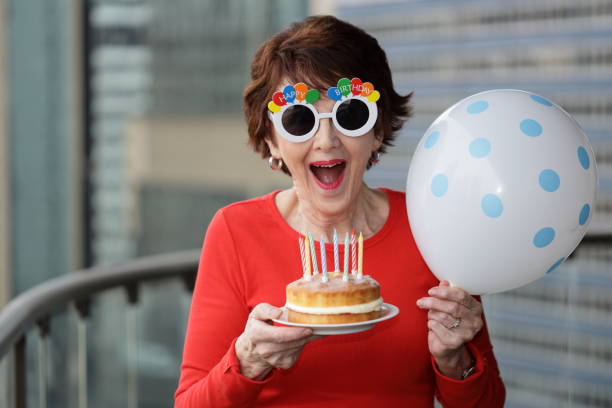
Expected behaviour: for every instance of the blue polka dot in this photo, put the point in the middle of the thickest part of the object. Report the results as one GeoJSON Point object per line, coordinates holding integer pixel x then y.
{"type": "Point", "coordinates": [492, 205]}
{"type": "Point", "coordinates": [541, 100]}
{"type": "Point", "coordinates": [584, 214]}
{"type": "Point", "coordinates": [478, 107]}
{"type": "Point", "coordinates": [583, 156]}
{"type": "Point", "coordinates": [549, 180]}
{"type": "Point", "coordinates": [432, 139]}
{"type": "Point", "coordinates": [439, 185]}
{"type": "Point", "coordinates": [480, 148]}
{"type": "Point", "coordinates": [544, 237]}
{"type": "Point", "coordinates": [554, 266]}
{"type": "Point", "coordinates": [531, 127]}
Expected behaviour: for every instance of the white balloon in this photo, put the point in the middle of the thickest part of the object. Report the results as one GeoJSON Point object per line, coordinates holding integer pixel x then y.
{"type": "Point", "coordinates": [501, 189]}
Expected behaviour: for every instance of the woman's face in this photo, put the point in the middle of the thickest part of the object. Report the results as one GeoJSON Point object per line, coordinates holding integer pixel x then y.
{"type": "Point", "coordinates": [327, 169]}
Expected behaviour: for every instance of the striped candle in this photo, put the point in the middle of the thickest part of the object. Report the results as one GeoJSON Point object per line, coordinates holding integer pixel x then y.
{"type": "Point", "coordinates": [336, 257]}
{"type": "Point", "coordinates": [307, 253]}
{"type": "Point", "coordinates": [313, 253]}
{"type": "Point", "coordinates": [325, 278]}
{"type": "Point", "coordinates": [305, 262]}
{"type": "Point", "coordinates": [345, 276]}
{"type": "Point", "coordinates": [360, 265]}
{"type": "Point", "coordinates": [353, 253]}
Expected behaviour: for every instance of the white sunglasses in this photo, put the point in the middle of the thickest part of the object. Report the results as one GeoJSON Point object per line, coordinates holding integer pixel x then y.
{"type": "Point", "coordinates": [354, 113]}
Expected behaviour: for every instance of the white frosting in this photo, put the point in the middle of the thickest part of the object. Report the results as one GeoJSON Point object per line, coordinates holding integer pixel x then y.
{"type": "Point", "coordinates": [361, 308]}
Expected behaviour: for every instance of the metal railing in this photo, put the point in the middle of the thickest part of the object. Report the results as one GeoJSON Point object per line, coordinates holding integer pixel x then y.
{"type": "Point", "coordinates": [39, 305]}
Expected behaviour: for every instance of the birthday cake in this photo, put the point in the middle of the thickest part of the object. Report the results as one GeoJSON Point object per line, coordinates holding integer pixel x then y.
{"type": "Point", "coordinates": [335, 297]}
{"type": "Point", "coordinates": [333, 302]}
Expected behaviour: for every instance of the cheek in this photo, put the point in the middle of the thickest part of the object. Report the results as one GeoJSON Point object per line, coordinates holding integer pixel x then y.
{"type": "Point", "coordinates": [294, 155]}
{"type": "Point", "coordinates": [361, 149]}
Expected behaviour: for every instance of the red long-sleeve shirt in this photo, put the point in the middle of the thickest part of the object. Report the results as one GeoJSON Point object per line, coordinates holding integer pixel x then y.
{"type": "Point", "coordinates": [249, 255]}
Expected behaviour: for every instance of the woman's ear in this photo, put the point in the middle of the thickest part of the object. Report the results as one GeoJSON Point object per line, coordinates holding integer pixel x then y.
{"type": "Point", "coordinates": [377, 143]}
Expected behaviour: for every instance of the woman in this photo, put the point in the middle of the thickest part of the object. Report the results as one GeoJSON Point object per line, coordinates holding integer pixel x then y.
{"type": "Point", "coordinates": [234, 356]}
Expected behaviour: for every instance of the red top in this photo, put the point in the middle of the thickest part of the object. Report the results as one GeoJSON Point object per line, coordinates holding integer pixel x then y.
{"type": "Point", "coordinates": [249, 256]}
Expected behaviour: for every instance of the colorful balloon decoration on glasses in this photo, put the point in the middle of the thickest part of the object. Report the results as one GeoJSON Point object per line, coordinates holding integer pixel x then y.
{"type": "Point", "coordinates": [301, 92]}
{"type": "Point", "coordinates": [290, 93]}
{"type": "Point", "coordinates": [500, 190]}
{"type": "Point", "coordinates": [355, 87]}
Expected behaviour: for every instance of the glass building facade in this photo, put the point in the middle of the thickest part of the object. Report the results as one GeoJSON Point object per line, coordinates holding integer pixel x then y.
{"type": "Point", "coordinates": [162, 61]}
{"type": "Point", "coordinates": [76, 75]}
{"type": "Point", "coordinates": [41, 82]}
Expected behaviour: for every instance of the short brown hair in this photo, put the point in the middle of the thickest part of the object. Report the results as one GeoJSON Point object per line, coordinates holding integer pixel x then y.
{"type": "Point", "coordinates": [318, 51]}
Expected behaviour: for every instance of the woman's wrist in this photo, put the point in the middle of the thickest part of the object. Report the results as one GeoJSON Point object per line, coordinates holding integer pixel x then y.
{"type": "Point", "coordinates": [455, 365]}
{"type": "Point", "coordinates": [249, 367]}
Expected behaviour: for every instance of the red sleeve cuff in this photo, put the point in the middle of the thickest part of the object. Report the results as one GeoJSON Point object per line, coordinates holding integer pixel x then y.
{"type": "Point", "coordinates": [480, 367]}
{"type": "Point", "coordinates": [469, 389]}
{"type": "Point", "coordinates": [224, 386]}
{"type": "Point", "coordinates": [231, 366]}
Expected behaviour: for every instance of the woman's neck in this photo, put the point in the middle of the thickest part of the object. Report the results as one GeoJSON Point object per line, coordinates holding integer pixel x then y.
{"type": "Point", "coordinates": [367, 214]}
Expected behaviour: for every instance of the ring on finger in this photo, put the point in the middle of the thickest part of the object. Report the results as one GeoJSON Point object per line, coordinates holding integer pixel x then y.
{"type": "Point", "coordinates": [455, 324]}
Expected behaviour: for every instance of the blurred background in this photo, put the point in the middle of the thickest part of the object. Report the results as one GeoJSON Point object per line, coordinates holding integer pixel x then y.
{"type": "Point", "coordinates": [121, 134]}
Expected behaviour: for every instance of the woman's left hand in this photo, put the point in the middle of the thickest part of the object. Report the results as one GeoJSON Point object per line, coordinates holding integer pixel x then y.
{"type": "Point", "coordinates": [454, 319]}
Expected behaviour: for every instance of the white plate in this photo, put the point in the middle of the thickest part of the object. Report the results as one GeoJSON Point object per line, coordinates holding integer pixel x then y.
{"type": "Point", "coordinates": [387, 312]}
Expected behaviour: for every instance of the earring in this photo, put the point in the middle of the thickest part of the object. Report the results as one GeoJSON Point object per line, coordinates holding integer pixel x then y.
{"type": "Point", "coordinates": [275, 164]}
{"type": "Point", "coordinates": [375, 158]}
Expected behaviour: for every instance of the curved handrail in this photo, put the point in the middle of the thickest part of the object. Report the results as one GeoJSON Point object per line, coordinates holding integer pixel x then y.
{"type": "Point", "coordinates": [38, 302]}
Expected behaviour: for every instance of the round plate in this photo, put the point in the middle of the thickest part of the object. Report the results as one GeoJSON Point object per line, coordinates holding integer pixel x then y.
{"type": "Point", "coordinates": [387, 312]}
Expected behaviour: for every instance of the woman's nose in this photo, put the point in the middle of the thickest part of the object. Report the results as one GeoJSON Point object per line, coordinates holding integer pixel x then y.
{"type": "Point", "coordinates": [326, 138]}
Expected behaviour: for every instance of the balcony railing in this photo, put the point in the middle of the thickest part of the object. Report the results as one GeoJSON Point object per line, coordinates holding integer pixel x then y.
{"type": "Point", "coordinates": [39, 305]}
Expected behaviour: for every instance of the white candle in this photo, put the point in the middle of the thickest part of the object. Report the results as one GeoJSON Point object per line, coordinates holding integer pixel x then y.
{"type": "Point", "coordinates": [313, 253]}
{"type": "Point", "coordinates": [336, 257]}
{"type": "Point", "coordinates": [323, 259]}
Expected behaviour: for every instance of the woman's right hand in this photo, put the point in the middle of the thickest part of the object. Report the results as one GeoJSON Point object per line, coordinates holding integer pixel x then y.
{"type": "Point", "coordinates": [262, 346]}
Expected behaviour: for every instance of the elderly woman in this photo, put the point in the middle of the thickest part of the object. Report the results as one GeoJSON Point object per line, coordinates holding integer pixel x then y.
{"type": "Point", "coordinates": [234, 356]}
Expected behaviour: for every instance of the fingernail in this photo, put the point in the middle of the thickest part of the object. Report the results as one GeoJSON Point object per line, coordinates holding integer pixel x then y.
{"type": "Point", "coordinates": [419, 303]}
{"type": "Point", "coordinates": [433, 291]}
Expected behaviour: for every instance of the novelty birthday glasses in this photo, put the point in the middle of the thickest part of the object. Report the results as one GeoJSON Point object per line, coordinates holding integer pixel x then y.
{"type": "Point", "coordinates": [296, 119]}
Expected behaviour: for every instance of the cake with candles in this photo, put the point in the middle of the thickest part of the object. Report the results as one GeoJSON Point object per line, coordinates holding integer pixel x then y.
{"type": "Point", "coordinates": [333, 297]}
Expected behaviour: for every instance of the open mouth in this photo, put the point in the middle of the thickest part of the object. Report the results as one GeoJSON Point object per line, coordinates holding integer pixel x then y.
{"type": "Point", "coordinates": [328, 174]}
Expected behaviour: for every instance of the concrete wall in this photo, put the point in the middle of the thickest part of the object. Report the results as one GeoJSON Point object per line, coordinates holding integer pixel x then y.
{"type": "Point", "coordinates": [322, 7]}
{"type": "Point", "coordinates": [207, 152]}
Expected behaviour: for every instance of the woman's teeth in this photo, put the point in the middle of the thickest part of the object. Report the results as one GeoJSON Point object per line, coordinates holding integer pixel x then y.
{"type": "Point", "coordinates": [328, 175]}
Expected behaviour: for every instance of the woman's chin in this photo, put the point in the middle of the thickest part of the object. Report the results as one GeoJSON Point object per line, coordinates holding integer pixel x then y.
{"type": "Point", "coordinates": [330, 200]}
